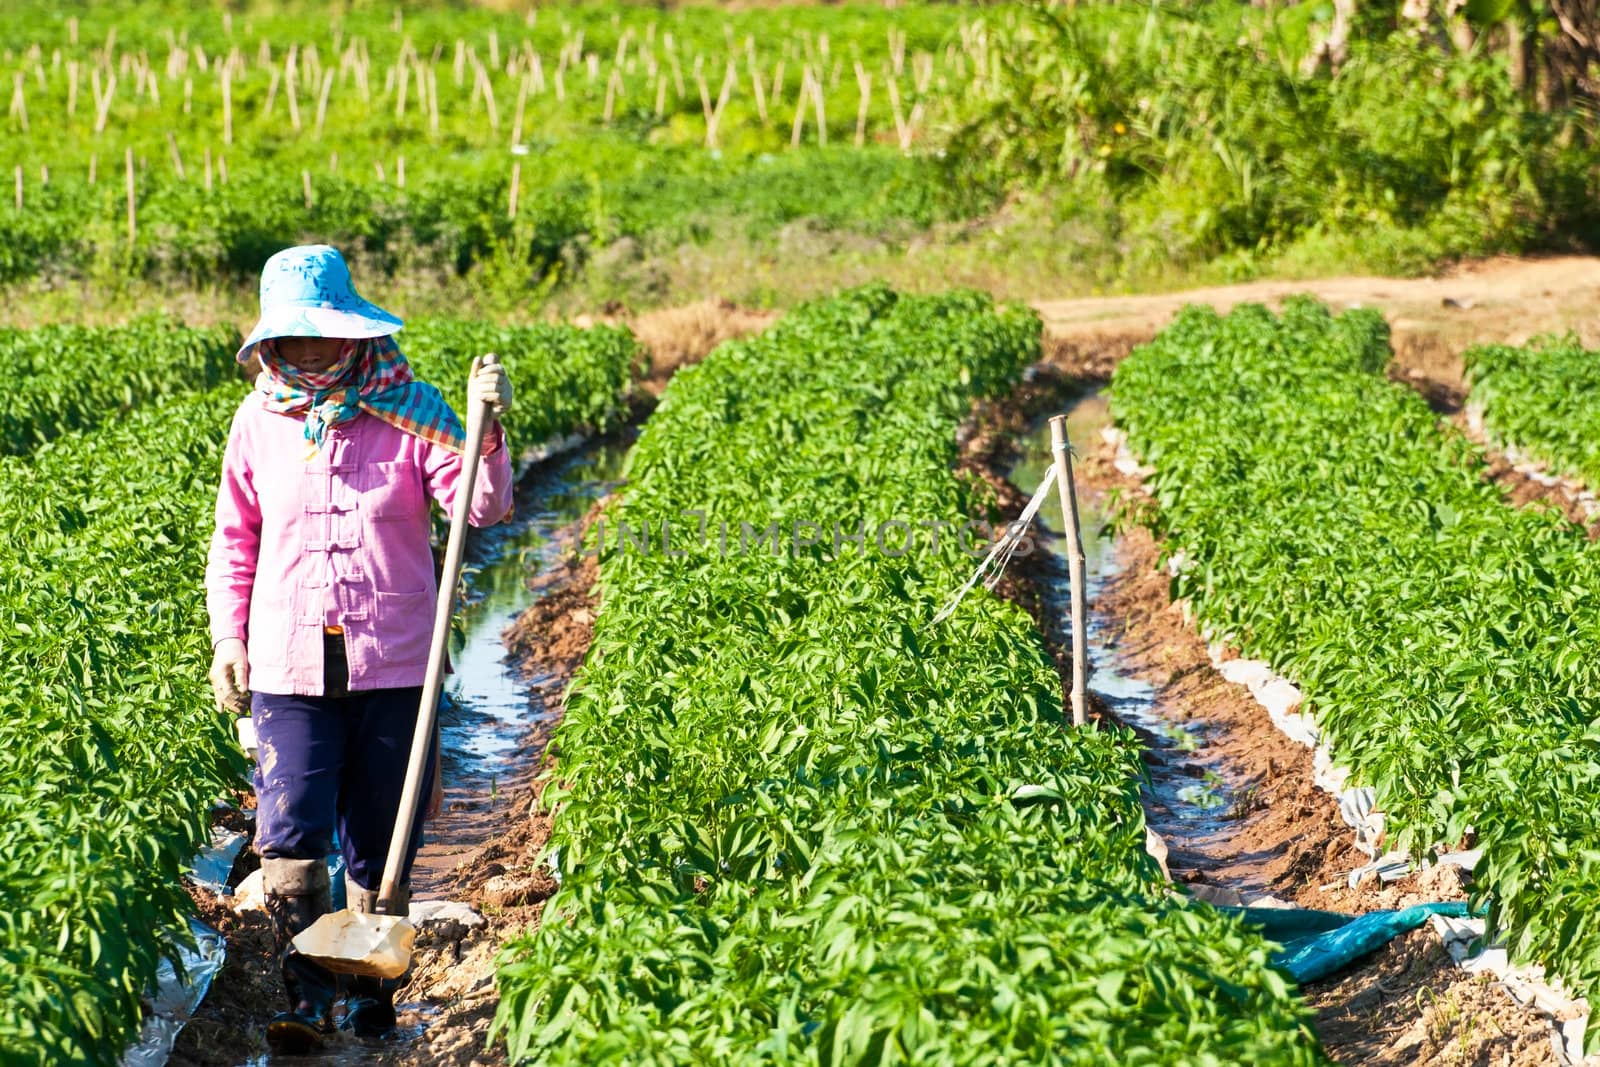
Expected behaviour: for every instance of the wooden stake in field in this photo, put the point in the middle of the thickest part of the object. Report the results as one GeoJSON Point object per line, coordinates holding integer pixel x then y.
{"type": "Point", "coordinates": [613, 89]}
{"type": "Point", "coordinates": [133, 217]}
{"type": "Point", "coordinates": [800, 110]}
{"type": "Point", "coordinates": [522, 104]}
{"type": "Point", "coordinates": [103, 102]}
{"type": "Point", "coordinates": [822, 121]}
{"type": "Point", "coordinates": [19, 101]}
{"type": "Point", "coordinates": [432, 81]}
{"type": "Point", "coordinates": [227, 102]}
{"type": "Point", "coordinates": [177, 159]}
{"type": "Point", "coordinates": [305, 185]}
{"type": "Point", "coordinates": [322, 100]}
{"type": "Point", "coordinates": [291, 87]}
{"type": "Point", "coordinates": [400, 172]}
{"type": "Point", "coordinates": [1060, 450]}
{"type": "Point", "coordinates": [208, 168]}
{"type": "Point", "coordinates": [516, 187]}
{"type": "Point", "coordinates": [864, 84]}
{"type": "Point", "coordinates": [755, 81]}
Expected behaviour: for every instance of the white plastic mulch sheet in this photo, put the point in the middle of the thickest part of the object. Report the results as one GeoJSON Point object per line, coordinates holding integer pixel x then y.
{"type": "Point", "coordinates": [175, 999]}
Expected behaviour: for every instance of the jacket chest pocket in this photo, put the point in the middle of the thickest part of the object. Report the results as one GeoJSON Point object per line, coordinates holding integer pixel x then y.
{"type": "Point", "coordinates": [390, 492]}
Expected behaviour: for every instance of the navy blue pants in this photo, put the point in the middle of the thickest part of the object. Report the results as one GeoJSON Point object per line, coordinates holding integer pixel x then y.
{"type": "Point", "coordinates": [331, 763]}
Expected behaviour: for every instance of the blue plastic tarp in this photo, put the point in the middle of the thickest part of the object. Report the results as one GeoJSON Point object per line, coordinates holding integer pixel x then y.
{"type": "Point", "coordinates": [1318, 943]}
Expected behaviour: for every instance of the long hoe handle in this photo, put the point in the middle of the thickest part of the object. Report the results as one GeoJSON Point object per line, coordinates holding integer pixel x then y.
{"type": "Point", "coordinates": [411, 796]}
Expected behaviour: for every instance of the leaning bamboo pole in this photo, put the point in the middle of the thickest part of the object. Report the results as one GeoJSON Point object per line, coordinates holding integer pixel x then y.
{"type": "Point", "coordinates": [1060, 450]}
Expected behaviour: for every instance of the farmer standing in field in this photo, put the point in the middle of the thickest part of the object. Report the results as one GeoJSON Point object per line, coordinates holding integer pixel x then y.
{"type": "Point", "coordinates": [321, 591]}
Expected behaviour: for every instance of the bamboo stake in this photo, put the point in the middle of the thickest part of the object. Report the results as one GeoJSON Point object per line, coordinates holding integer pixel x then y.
{"type": "Point", "coordinates": [777, 85]}
{"type": "Point", "coordinates": [864, 84]}
{"type": "Point", "coordinates": [188, 95]}
{"type": "Point", "coordinates": [177, 160]}
{"type": "Point", "coordinates": [613, 87]}
{"type": "Point", "coordinates": [488, 98]}
{"type": "Point", "coordinates": [291, 83]}
{"type": "Point", "coordinates": [522, 104]}
{"type": "Point", "coordinates": [72, 88]}
{"type": "Point", "coordinates": [222, 169]}
{"type": "Point", "coordinates": [705, 107]}
{"type": "Point", "coordinates": [756, 86]}
{"type": "Point", "coordinates": [433, 99]}
{"type": "Point", "coordinates": [227, 103]}
{"type": "Point", "coordinates": [661, 93]}
{"type": "Point", "coordinates": [333, 162]}
{"type": "Point", "coordinates": [400, 171]}
{"type": "Point", "coordinates": [900, 128]}
{"type": "Point", "coordinates": [44, 174]}
{"type": "Point", "coordinates": [1068, 493]}
{"type": "Point", "coordinates": [800, 109]}
{"type": "Point", "coordinates": [94, 158]}
{"type": "Point", "coordinates": [133, 216]}
{"type": "Point", "coordinates": [822, 123]}
{"type": "Point", "coordinates": [377, 165]}
{"type": "Point", "coordinates": [103, 108]}
{"type": "Point", "coordinates": [677, 72]}
{"type": "Point", "coordinates": [208, 168]}
{"type": "Point", "coordinates": [272, 93]}
{"type": "Point", "coordinates": [322, 100]}
{"type": "Point", "coordinates": [19, 101]}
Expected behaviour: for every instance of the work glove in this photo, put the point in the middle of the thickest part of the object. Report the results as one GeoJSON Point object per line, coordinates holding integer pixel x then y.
{"type": "Point", "coordinates": [230, 675]}
{"type": "Point", "coordinates": [489, 384]}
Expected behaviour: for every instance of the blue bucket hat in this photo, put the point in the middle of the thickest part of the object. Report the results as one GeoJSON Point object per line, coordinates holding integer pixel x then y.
{"type": "Point", "coordinates": [306, 292]}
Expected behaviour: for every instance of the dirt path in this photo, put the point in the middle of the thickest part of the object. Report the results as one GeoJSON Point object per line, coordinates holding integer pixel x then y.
{"type": "Point", "coordinates": [1504, 300]}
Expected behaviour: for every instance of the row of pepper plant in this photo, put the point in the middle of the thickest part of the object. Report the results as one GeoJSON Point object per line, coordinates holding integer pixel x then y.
{"type": "Point", "coordinates": [794, 821]}
{"type": "Point", "coordinates": [111, 755]}
{"type": "Point", "coordinates": [61, 378]}
{"type": "Point", "coordinates": [1444, 640]}
{"type": "Point", "coordinates": [1540, 398]}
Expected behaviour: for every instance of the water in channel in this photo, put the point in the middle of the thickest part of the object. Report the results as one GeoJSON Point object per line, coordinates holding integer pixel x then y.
{"type": "Point", "coordinates": [490, 705]}
{"type": "Point", "coordinates": [1187, 799]}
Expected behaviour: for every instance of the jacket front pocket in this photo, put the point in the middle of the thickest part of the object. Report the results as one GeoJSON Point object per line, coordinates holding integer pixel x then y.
{"type": "Point", "coordinates": [404, 627]}
{"type": "Point", "coordinates": [391, 491]}
{"type": "Point", "coordinates": [271, 629]}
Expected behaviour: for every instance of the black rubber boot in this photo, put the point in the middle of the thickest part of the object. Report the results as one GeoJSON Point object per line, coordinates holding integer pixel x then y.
{"type": "Point", "coordinates": [369, 1007]}
{"type": "Point", "coordinates": [297, 894]}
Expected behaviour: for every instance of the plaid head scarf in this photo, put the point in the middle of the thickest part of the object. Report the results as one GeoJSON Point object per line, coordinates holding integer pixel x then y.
{"type": "Point", "coordinates": [370, 375]}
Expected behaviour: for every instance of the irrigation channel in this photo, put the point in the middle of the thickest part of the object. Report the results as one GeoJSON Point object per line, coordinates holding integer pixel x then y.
{"type": "Point", "coordinates": [492, 707]}
{"type": "Point", "coordinates": [495, 718]}
{"type": "Point", "coordinates": [1189, 799]}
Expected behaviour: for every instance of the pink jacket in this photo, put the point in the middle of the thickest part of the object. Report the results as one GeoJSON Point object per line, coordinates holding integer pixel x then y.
{"type": "Point", "coordinates": [341, 540]}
